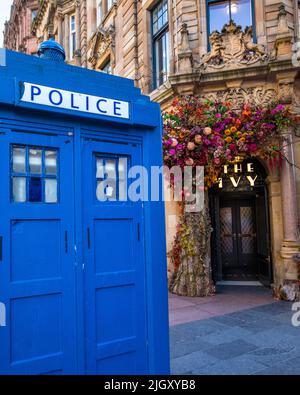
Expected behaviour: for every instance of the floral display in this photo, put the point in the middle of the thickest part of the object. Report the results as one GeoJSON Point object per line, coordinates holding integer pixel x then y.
{"type": "Point", "coordinates": [209, 134]}
{"type": "Point", "coordinates": [212, 135]}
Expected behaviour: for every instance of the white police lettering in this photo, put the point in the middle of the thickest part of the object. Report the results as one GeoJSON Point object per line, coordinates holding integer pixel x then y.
{"type": "Point", "coordinates": [46, 96]}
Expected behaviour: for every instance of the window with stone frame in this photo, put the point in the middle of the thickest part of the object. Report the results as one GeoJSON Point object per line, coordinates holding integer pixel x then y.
{"type": "Point", "coordinates": [160, 43]}
{"type": "Point", "coordinates": [33, 14]}
{"type": "Point", "coordinates": [103, 7]}
{"type": "Point", "coordinates": [99, 11]}
{"type": "Point", "coordinates": [109, 4]}
{"type": "Point", "coordinates": [72, 37]}
{"type": "Point", "coordinates": [220, 12]}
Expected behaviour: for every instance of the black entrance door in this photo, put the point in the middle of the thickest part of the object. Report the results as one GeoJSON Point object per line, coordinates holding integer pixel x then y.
{"type": "Point", "coordinates": [238, 239]}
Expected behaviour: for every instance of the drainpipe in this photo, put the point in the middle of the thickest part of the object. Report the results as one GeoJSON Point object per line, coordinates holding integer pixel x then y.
{"type": "Point", "coordinates": [136, 49]}
{"type": "Point", "coordinates": [296, 20]}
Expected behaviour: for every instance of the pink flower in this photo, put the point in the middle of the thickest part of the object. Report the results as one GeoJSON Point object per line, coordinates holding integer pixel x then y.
{"type": "Point", "coordinates": [253, 147]}
{"type": "Point", "coordinates": [191, 146]}
{"type": "Point", "coordinates": [217, 161]}
{"type": "Point", "coordinates": [207, 131]}
{"type": "Point", "coordinates": [189, 162]}
{"type": "Point", "coordinates": [198, 139]}
{"type": "Point", "coordinates": [172, 152]}
{"type": "Point", "coordinates": [174, 142]}
{"type": "Point", "coordinates": [218, 115]}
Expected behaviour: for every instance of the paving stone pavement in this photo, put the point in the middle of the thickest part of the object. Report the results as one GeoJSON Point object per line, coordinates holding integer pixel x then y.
{"type": "Point", "coordinates": [255, 341]}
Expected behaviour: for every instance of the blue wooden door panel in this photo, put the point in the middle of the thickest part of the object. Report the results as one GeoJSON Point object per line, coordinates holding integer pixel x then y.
{"type": "Point", "coordinates": [37, 271]}
{"type": "Point", "coordinates": [116, 336]}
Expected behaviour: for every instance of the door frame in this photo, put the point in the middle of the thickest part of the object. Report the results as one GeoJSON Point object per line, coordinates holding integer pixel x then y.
{"type": "Point", "coordinates": [237, 201]}
{"type": "Point", "coordinates": [215, 197]}
{"type": "Point", "coordinates": [40, 136]}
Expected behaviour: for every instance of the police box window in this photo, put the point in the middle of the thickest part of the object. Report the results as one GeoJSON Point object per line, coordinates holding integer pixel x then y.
{"type": "Point", "coordinates": [160, 42]}
{"type": "Point", "coordinates": [222, 12]}
{"type": "Point", "coordinates": [34, 174]}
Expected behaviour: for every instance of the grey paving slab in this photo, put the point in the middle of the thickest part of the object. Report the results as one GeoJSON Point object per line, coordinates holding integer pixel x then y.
{"type": "Point", "coordinates": [231, 349]}
{"type": "Point", "coordinates": [261, 325]}
{"type": "Point", "coordinates": [259, 340]}
{"type": "Point", "coordinates": [227, 336]}
{"type": "Point", "coordinates": [189, 346]}
{"type": "Point", "coordinates": [275, 308]}
{"type": "Point", "coordinates": [240, 365]}
{"type": "Point", "coordinates": [289, 367]}
{"type": "Point", "coordinates": [195, 329]}
{"type": "Point", "coordinates": [191, 363]}
{"type": "Point", "coordinates": [271, 337]}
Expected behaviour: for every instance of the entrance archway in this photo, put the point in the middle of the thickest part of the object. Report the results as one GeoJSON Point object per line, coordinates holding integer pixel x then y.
{"type": "Point", "coordinates": [239, 208]}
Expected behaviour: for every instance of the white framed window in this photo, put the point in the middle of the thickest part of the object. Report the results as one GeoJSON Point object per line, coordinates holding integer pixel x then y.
{"type": "Point", "coordinates": [160, 43]}
{"type": "Point", "coordinates": [99, 12]}
{"type": "Point", "coordinates": [109, 4]}
{"type": "Point", "coordinates": [72, 39]}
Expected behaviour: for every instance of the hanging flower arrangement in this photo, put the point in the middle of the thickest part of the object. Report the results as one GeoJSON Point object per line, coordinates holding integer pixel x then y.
{"type": "Point", "coordinates": [211, 134]}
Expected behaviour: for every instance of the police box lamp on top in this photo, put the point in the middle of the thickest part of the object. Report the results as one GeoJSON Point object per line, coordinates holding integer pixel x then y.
{"type": "Point", "coordinates": [52, 50]}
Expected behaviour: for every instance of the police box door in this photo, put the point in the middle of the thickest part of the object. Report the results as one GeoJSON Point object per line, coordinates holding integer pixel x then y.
{"type": "Point", "coordinates": [36, 258]}
{"type": "Point", "coordinates": [114, 268]}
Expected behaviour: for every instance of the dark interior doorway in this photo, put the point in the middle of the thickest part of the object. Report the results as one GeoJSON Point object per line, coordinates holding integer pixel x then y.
{"type": "Point", "coordinates": [238, 239]}
{"type": "Point", "coordinates": [241, 249]}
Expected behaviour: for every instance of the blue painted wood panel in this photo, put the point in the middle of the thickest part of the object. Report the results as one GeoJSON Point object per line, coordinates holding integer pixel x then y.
{"type": "Point", "coordinates": [114, 271]}
{"type": "Point", "coordinates": [37, 271]}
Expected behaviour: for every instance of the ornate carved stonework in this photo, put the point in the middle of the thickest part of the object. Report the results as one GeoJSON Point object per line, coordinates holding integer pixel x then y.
{"type": "Point", "coordinates": [102, 42]}
{"type": "Point", "coordinates": [185, 55]}
{"type": "Point", "coordinates": [233, 48]}
{"type": "Point", "coordinates": [239, 96]}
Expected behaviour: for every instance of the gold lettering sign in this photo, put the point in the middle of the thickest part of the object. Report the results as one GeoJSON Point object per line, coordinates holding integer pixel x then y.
{"type": "Point", "coordinates": [236, 173]}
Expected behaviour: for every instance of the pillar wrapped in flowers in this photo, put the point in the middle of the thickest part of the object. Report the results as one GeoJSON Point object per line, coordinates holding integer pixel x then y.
{"type": "Point", "coordinates": [212, 135]}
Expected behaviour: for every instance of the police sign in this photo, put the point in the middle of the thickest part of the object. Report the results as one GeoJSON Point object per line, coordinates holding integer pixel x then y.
{"type": "Point", "coordinates": [59, 98]}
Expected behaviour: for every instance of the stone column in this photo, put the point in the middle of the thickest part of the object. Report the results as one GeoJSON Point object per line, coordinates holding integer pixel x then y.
{"type": "Point", "coordinates": [66, 35]}
{"type": "Point", "coordinates": [60, 29]}
{"type": "Point", "coordinates": [290, 245]}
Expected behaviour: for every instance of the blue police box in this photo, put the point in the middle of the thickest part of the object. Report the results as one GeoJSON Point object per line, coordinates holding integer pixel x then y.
{"type": "Point", "coordinates": [82, 267]}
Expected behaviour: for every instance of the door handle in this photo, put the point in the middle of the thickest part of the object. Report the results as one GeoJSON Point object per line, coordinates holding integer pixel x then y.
{"type": "Point", "coordinates": [89, 238]}
{"type": "Point", "coordinates": [66, 242]}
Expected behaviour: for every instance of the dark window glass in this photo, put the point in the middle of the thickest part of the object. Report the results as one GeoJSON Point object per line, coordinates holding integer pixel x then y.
{"type": "Point", "coordinates": [160, 43]}
{"type": "Point", "coordinates": [106, 68]}
{"type": "Point", "coordinates": [35, 189]}
{"type": "Point", "coordinates": [34, 174]}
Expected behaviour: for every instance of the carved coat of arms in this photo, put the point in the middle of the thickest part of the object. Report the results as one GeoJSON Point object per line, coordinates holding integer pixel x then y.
{"type": "Point", "coordinates": [232, 48]}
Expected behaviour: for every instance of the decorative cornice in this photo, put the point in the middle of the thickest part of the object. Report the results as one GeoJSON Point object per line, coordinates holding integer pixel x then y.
{"type": "Point", "coordinates": [101, 42]}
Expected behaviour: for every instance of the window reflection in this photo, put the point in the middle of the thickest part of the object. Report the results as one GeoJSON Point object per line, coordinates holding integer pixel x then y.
{"type": "Point", "coordinates": [221, 12]}
{"type": "Point", "coordinates": [111, 178]}
{"type": "Point", "coordinates": [34, 172]}
{"type": "Point", "coordinates": [35, 161]}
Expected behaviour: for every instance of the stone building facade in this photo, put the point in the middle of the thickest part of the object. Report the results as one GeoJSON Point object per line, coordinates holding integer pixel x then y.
{"type": "Point", "coordinates": [17, 31]}
{"type": "Point", "coordinates": [172, 47]}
